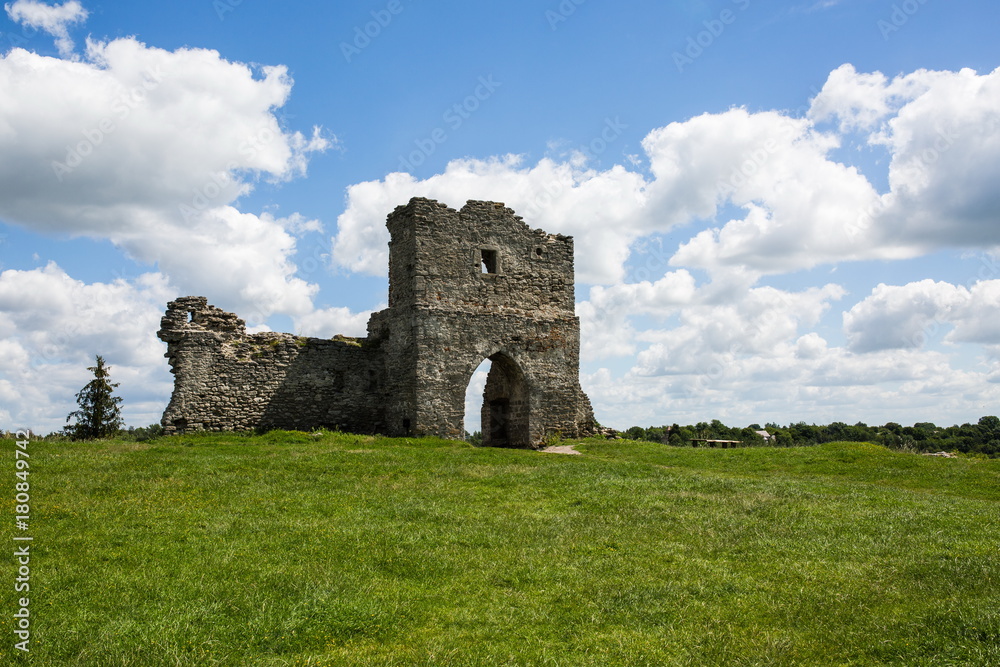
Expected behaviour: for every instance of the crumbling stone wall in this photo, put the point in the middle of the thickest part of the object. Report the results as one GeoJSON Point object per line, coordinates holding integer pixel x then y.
{"type": "Point", "coordinates": [464, 286]}
{"type": "Point", "coordinates": [227, 380]}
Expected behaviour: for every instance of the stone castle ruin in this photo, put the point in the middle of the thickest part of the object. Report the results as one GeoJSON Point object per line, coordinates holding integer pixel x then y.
{"type": "Point", "coordinates": [464, 286]}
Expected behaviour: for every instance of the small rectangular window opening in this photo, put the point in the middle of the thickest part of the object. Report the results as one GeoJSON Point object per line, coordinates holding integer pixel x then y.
{"type": "Point", "coordinates": [489, 261]}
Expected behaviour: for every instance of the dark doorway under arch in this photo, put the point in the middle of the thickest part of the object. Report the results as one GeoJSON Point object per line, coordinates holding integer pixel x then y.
{"type": "Point", "coordinates": [505, 412]}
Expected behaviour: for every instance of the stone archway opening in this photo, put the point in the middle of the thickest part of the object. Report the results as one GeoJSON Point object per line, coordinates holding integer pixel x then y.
{"type": "Point", "coordinates": [505, 410]}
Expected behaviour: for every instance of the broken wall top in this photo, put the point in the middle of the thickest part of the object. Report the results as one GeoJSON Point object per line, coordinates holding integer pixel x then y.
{"type": "Point", "coordinates": [482, 258]}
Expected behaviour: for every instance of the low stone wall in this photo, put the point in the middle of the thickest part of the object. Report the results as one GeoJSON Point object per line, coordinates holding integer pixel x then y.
{"type": "Point", "coordinates": [227, 380]}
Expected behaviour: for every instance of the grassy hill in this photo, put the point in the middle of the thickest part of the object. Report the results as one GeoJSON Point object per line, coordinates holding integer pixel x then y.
{"type": "Point", "coordinates": [289, 549]}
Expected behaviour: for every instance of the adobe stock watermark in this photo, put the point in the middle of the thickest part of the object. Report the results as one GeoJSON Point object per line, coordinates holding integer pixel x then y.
{"type": "Point", "coordinates": [15, 40]}
{"type": "Point", "coordinates": [655, 260]}
{"type": "Point", "coordinates": [453, 117]}
{"type": "Point", "coordinates": [710, 377]}
{"type": "Point", "coordinates": [370, 31]}
{"type": "Point", "coordinates": [561, 13]}
{"type": "Point", "coordinates": [901, 14]}
{"type": "Point", "coordinates": [312, 259]}
{"type": "Point", "coordinates": [989, 269]}
{"type": "Point", "coordinates": [753, 161]}
{"type": "Point", "coordinates": [203, 196]}
{"type": "Point", "coordinates": [121, 108]}
{"type": "Point", "coordinates": [702, 41]}
{"type": "Point", "coordinates": [56, 346]}
{"type": "Point", "coordinates": [22, 540]}
{"type": "Point", "coordinates": [914, 171]}
{"type": "Point", "coordinates": [610, 132]}
{"type": "Point", "coordinates": [223, 7]}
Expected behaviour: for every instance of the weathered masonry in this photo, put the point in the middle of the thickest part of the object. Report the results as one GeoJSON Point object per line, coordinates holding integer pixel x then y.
{"type": "Point", "coordinates": [464, 286]}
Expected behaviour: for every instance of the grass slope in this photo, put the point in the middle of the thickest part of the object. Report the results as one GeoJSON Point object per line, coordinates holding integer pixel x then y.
{"type": "Point", "coordinates": [286, 549]}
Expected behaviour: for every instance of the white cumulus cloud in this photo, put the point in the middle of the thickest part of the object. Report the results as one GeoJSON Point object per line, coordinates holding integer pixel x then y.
{"type": "Point", "coordinates": [760, 322]}
{"type": "Point", "coordinates": [601, 209]}
{"type": "Point", "coordinates": [53, 19]}
{"type": "Point", "coordinates": [150, 149]}
{"type": "Point", "coordinates": [909, 316]}
{"type": "Point", "coordinates": [328, 322]}
{"type": "Point", "coordinates": [54, 325]}
{"type": "Point", "coordinates": [796, 205]}
{"type": "Point", "coordinates": [901, 317]}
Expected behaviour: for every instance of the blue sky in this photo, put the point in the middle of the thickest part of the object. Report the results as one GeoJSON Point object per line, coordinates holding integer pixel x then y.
{"type": "Point", "coordinates": [783, 211]}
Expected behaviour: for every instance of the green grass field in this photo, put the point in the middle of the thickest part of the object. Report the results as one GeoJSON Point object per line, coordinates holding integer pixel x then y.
{"type": "Point", "coordinates": [288, 549]}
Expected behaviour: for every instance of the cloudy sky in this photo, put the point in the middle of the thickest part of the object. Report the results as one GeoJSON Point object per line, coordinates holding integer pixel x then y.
{"type": "Point", "coordinates": [783, 210]}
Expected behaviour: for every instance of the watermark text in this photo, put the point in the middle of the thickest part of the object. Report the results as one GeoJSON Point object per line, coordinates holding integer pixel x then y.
{"type": "Point", "coordinates": [22, 541]}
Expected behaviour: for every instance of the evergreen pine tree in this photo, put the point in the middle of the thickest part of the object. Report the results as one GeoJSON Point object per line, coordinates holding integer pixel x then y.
{"type": "Point", "coordinates": [99, 415]}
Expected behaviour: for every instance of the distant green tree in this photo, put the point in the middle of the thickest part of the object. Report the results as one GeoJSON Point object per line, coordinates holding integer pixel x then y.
{"type": "Point", "coordinates": [143, 433]}
{"type": "Point", "coordinates": [861, 432]}
{"type": "Point", "coordinates": [782, 438]}
{"type": "Point", "coordinates": [99, 415]}
{"type": "Point", "coordinates": [721, 431]}
{"type": "Point", "coordinates": [893, 428]}
{"type": "Point", "coordinates": [990, 425]}
{"type": "Point", "coordinates": [980, 438]}
{"type": "Point", "coordinates": [835, 432]}
{"type": "Point", "coordinates": [751, 438]}
{"type": "Point", "coordinates": [803, 434]}
{"type": "Point", "coordinates": [656, 434]}
{"type": "Point", "coordinates": [891, 435]}
{"type": "Point", "coordinates": [636, 433]}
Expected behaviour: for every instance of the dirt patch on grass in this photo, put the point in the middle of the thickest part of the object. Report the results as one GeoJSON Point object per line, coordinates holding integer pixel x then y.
{"type": "Point", "coordinates": [561, 449]}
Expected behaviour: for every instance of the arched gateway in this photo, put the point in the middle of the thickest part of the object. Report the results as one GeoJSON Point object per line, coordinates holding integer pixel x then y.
{"type": "Point", "coordinates": [464, 286]}
{"type": "Point", "coordinates": [506, 410]}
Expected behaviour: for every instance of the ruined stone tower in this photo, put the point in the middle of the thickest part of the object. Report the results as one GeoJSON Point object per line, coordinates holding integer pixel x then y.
{"type": "Point", "coordinates": [464, 286]}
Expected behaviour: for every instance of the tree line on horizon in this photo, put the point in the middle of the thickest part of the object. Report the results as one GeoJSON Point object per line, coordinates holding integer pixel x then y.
{"type": "Point", "coordinates": [980, 438]}
{"type": "Point", "coordinates": [99, 416]}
